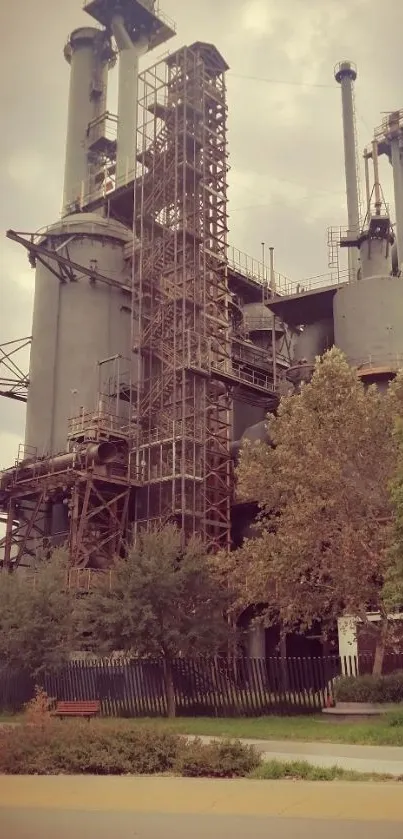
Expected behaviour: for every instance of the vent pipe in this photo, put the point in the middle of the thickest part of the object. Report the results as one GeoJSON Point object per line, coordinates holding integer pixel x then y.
{"type": "Point", "coordinates": [130, 52]}
{"type": "Point", "coordinates": [346, 74]}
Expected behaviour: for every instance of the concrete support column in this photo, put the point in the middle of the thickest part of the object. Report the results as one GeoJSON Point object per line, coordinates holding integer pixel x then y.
{"type": "Point", "coordinates": [129, 55]}
{"type": "Point", "coordinates": [257, 641]}
{"type": "Point", "coordinates": [347, 632]}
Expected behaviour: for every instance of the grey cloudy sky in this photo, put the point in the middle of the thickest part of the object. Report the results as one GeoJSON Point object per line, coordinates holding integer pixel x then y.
{"type": "Point", "coordinates": [286, 178]}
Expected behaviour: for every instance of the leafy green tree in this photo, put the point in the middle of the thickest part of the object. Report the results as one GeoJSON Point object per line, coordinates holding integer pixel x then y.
{"type": "Point", "coordinates": [163, 600]}
{"type": "Point", "coordinates": [323, 489]}
{"type": "Point", "coordinates": [393, 588]}
{"type": "Point", "coordinates": [37, 618]}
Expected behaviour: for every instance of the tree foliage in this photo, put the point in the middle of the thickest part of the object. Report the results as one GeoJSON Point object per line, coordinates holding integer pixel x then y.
{"type": "Point", "coordinates": [393, 587]}
{"type": "Point", "coordinates": [163, 600]}
{"type": "Point", "coordinates": [37, 618]}
{"type": "Point", "coordinates": [323, 490]}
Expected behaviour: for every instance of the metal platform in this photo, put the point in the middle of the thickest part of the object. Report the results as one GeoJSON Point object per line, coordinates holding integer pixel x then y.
{"type": "Point", "coordinates": [306, 307]}
{"type": "Point", "coordinates": [140, 17]}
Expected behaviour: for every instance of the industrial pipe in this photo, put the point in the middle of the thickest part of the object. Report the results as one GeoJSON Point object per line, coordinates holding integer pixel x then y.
{"type": "Point", "coordinates": [273, 331]}
{"type": "Point", "coordinates": [129, 55]}
{"type": "Point", "coordinates": [377, 186]}
{"type": "Point", "coordinates": [92, 455]}
{"type": "Point", "coordinates": [367, 186]}
{"type": "Point", "coordinates": [346, 74]}
{"type": "Point", "coordinates": [394, 136]}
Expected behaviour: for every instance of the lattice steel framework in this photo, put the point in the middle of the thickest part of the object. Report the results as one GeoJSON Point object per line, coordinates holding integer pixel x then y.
{"type": "Point", "coordinates": [80, 500]}
{"type": "Point", "coordinates": [180, 296]}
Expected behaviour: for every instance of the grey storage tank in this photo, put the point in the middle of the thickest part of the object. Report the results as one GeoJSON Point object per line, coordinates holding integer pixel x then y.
{"type": "Point", "coordinates": [314, 340]}
{"type": "Point", "coordinates": [76, 324]}
{"type": "Point", "coordinates": [368, 323]}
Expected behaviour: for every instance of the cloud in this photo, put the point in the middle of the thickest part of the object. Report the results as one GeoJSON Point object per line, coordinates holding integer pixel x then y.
{"type": "Point", "coordinates": [257, 18]}
{"type": "Point", "coordinates": [26, 168]}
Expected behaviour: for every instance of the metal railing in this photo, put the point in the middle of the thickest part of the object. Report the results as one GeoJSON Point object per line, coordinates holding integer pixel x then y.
{"type": "Point", "coordinates": [259, 273]}
{"type": "Point", "coordinates": [236, 371]}
{"type": "Point", "coordinates": [388, 361]}
{"type": "Point", "coordinates": [95, 423]}
{"type": "Point", "coordinates": [391, 124]}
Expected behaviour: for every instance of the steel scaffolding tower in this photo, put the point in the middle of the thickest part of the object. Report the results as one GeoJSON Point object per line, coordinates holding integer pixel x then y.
{"type": "Point", "coordinates": [181, 298]}
{"type": "Point", "coordinates": [155, 445]}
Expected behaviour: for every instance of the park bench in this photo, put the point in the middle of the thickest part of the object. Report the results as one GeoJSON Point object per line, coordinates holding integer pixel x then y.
{"type": "Point", "coordinates": [78, 709]}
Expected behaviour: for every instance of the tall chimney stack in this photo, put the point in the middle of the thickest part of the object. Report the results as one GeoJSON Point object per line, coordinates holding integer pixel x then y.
{"type": "Point", "coordinates": [89, 53]}
{"type": "Point", "coordinates": [346, 74]}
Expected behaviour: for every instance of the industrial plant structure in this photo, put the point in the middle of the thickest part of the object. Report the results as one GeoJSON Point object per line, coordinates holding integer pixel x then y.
{"type": "Point", "coordinates": [156, 349]}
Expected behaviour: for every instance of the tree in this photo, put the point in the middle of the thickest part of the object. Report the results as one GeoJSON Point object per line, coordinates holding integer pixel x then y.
{"type": "Point", "coordinates": [163, 600]}
{"type": "Point", "coordinates": [393, 587]}
{"type": "Point", "coordinates": [323, 490]}
{"type": "Point", "coordinates": [37, 618]}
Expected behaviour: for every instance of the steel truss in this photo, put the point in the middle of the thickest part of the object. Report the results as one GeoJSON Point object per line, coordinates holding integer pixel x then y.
{"type": "Point", "coordinates": [83, 506]}
{"type": "Point", "coordinates": [181, 298]}
{"type": "Point", "coordinates": [13, 381]}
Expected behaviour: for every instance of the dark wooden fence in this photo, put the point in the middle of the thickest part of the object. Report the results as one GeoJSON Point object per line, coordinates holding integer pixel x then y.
{"type": "Point", "coordinates": [203, 687]}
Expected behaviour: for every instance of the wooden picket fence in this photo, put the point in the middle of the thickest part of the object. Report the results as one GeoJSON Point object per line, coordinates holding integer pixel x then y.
{"type": "Point", "coordinates": [203, 687]}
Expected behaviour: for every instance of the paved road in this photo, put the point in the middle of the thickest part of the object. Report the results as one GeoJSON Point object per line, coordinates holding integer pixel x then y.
{"type": "Point", "coordinates": [70, 824]}
{"type": "Point", "coordinates": [386, 760]}
{"type": "Point", "coordinates": [87, 807]}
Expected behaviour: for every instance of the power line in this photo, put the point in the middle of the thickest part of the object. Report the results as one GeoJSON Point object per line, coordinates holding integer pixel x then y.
{"type": "Point", "coordinates": [282, 81]}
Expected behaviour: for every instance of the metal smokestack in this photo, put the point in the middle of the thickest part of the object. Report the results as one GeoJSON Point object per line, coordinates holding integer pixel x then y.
{"type": "Point", "coordinates": [393, 133]}
{"type": "Point", "coordinates": [130, 52]}
{"type": "Point", "coordinates": [89, 53]}
{"type": "Point", "coordinates": [346, 74]}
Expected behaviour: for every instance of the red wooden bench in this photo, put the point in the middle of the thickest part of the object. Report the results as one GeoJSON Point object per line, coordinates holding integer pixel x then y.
{"type": "Point", "coordinates": [78, 709]}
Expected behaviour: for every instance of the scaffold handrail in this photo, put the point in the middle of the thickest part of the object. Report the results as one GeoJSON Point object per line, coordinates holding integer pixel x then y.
{"type": "Point", "coordinates": [391, 123]}
{"type": "Point", "coordinates": [99, 419]}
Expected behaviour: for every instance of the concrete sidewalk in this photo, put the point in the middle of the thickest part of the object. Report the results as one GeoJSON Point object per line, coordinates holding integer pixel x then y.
{"type": "Point", "coordinates": [373, 802]}
{"type": "Point", "coordinates": [381, 759]}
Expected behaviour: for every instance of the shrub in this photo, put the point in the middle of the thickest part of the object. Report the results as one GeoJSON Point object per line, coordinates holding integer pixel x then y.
{"type": "Point", "coordinates": [395, 719]}
{"type": "Point", "coordinates": [300, 770]}
{"type": "Point", "coordinates": [39, 710]}
{"type": "Point", "coordinates": [377, 689]}
{"type": "Point", "coordinates": [80, 748]}
{"type": "Point", "coordinates": [219, 759]}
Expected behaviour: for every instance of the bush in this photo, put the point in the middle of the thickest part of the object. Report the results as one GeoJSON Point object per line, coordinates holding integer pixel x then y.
{"type": "Point", "coordinates": [395, 719]}
{"type": "Point", "coordinates": [300, 770]}
{"type": "Point", "coordinates": [39, 710]}
{"type": "Point", "coordinates": [97, 749]}
{"type": "Point", "coordinates": [377, 689]}
{"type": "Point", "coordinates": [219, 759]}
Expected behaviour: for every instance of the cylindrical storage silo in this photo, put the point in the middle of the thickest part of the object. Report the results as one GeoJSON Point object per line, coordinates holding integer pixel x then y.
{"type": "Point", "coordinates": [89, 54]}
{"type": "Point", "coordinates": [314, 340]}
{"type": "Point", "coordinates": [368, 322]}
{"type": "Point", "coordinates": [76, 324]}
{"type": "Point", "coordinates": [375, 256]}
{"type": "Point", "coordinates": [258, 322]}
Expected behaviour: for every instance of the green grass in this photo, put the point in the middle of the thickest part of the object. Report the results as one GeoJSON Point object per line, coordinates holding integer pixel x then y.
{"type": "Point", "coordinates": [376, 732]}
{"type": "Point", "coordinates": [4, 717]}
{"type": "Point", "coordinates": [299, 770]}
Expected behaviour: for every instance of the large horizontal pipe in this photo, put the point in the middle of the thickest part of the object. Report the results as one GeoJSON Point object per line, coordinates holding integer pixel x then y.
{"type": "Point", "coordinates": [91, 455]}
